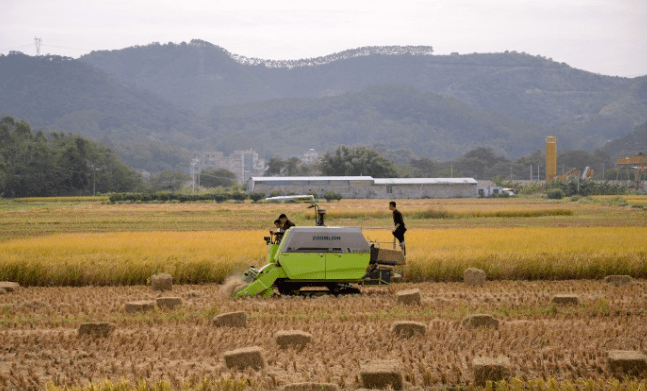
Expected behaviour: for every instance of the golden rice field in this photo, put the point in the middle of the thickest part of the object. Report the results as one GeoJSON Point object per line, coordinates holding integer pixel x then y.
{"type": "Point", "coordinates": [124, 258]}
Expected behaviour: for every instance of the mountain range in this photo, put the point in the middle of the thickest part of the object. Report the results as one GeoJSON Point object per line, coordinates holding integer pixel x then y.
{"type": "Point", "coordinates": [160, 103]}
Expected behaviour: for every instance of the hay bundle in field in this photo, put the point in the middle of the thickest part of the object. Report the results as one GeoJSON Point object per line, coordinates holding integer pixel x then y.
{"type": "Point", "coordinates": [381, 374]}
{"type": "Point", "coordinates": [566, 299]}
{"type": "Point", "coordinates": [168, 302]}
{"type": "Point", "coordinates": [410, 296]}
{"type": "Point", "coordinates": [245, 357]}
{"type": "Point", "coordinates": [35, 305]}
{"type": "Point", "coordinates": [627, 363]}
{"type": "Point", "coordinates": [407, 328]}
{"type": "Point", "coordinates": [230, 319]}
{"type": "Point", "coordinates": [139, 306]}
{"type": "Point", "coordinates": [98, 329]}
{"type": "Point", "coordinates": [618, 280]}
{"type": "Point", "coordinates": [2, 291]}
{"type": "Point", "coordinates": [294, 338]}
{"type": "Point", "coordinates": [311, 387]}
{"type": "Point", "coordinates": [474, 277]}
{"type": "Point", "coordinates": [490, 369]}
{"type": "Point", "coordinates": [9, 286]}
{"type": "Point", "coordinates": [162, 282]}
{"type": "Point", "coordinates": [480, 320]}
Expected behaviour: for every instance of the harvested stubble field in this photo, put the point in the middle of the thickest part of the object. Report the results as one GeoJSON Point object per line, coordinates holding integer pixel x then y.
{"type": "Point", "coordinates": [39, 341]}
{"type": "Point", "coordinates": [115, 249]}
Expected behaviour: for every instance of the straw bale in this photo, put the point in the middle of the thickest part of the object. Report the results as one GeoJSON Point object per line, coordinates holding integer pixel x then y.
{"type": "Point", "coordinates": [408, 329]}
{"type": "Point", "coordinates": [168, 302]}
{"type": "Point", "coordinates": [231, 319]}
{"type": "Point", "coordinates": [566, 299]}
{"type": "Point", "coordinates": [410, 296]}
{"type": "Point", "coordinates": [490, 369]}
{"type": "Point", "coordinates": [311, 387]}
{"type": "Point", "coordinates": [9, 286]}
{"type": "Point", "coordinates": [98, 329]}
{"type": "Point", "coordinates": [618, 280]}
{"type": "Point", "coordinates": [162, 282]}
{"type": "Point", "coordinates": [627, 362]}
{"type": "Point", "coordinates": [2, 291]}
{"type": "Point", "coordinates": [245, 357]}
{"type": "Point", "coordinates": [296, 338]}
{"type": "Point", "coordinates": [474, 277]}
{"type": "Point", "coordinates": [480, 320]}
{"type": "Point", "coordinates": [139, 306]}
{"type": "Point", "coordinates": [35, 305]}
{"type": "Point", "coordinates": [381, 374]}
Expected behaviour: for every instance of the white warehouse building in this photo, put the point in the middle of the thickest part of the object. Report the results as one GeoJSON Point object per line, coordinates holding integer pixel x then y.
{"type": "Point", "coordinates": [366, 186]}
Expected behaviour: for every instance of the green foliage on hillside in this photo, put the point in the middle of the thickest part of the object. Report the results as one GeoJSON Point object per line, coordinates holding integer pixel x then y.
{"type": "Point", "coordinates": [33, 164]}
{"type": "Point", "coordinates": [629, 145]}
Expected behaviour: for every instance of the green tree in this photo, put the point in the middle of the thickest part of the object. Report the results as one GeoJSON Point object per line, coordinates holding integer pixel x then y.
{"type": "Point", "coordinates": [275, 166]}
{"type": "Point", "coordinates": [168, 180]}
{"type": "Point", "coordinates": [292, 166]}
{"type": "Point", "coordinates": [357, 161]}
{"type": "Point", "coordinates": [212, 177]}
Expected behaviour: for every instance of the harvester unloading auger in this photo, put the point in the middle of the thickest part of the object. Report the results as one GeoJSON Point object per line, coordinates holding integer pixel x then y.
{"type": "Point", "coordinates": [337, 258]}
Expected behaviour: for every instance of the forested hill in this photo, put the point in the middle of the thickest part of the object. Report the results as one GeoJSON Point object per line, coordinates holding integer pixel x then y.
{"type": "Point", "coordinates": [157, 104]}
{"type": "Point", "coordinates": [630, 144]}
{"type": "Point", "coordinates": [426, 123]}
{"type": "Point", "coordinates": [60, 92]}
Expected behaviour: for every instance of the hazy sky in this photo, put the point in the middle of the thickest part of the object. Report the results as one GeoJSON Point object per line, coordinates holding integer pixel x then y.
{"type": "Point", "coordinates": [602, 36]}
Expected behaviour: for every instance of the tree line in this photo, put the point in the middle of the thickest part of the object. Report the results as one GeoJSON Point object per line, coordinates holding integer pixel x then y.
{"type": "Point", "coordinates": [33, 164]}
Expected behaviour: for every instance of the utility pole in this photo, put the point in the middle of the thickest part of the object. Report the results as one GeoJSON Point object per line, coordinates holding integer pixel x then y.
{"type": "Point", "coordinates": [37, 42]}
{"type": "Point", "coordinates": [193, 163]}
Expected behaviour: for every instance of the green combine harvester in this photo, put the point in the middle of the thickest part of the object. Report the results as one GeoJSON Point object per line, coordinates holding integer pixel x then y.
{"type": "Point", "coordinates": [338, 259]}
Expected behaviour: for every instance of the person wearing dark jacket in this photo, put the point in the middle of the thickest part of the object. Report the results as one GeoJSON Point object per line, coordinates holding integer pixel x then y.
{"type": "Point", "coordinates": [400, 228]}
{"type": "Point", "coordinates": [285, 223]}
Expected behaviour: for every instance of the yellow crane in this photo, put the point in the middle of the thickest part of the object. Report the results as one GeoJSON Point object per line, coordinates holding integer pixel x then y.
{"type": "Point", "coordinates": [637, 162]}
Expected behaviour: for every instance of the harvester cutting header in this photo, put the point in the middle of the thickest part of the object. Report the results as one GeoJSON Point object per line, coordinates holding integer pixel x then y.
{"type": "Point", "coordinates": [338, 259]}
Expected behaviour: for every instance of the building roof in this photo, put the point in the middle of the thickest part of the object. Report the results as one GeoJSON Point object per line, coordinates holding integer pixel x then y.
{"type": "Point", "coordinates": [375, 181]}
{"type": "Point", "coordinates": [310, 178]}
{"type": "Point", "coordinates": [424, 181]}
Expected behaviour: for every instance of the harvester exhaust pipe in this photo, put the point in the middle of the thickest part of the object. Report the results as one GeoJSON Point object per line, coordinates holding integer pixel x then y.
{"type": "Point", "coordinates": [321, 215]}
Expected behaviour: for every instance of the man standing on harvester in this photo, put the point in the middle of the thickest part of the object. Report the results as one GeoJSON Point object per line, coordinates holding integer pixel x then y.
{"type": "Point", "coordinates": [400, 228]}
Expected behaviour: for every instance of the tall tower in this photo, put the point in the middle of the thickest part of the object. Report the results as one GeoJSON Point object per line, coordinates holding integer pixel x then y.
{"type": "Point", "coordinates": [551, 157]}
{"type": "Point", "coordinates": [37, 42]}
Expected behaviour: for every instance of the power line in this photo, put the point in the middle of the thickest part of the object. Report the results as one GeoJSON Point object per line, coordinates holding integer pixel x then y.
{"type": "Point", "coordinates": [16, 47]}
{"type": "Point", "coordinates": [67, 47]}
{"type": "Point", "coordinates": [39, 44]}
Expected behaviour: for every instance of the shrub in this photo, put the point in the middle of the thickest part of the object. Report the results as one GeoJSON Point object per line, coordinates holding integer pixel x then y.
{"type": "Point", "coordinates": [238, 196]}
{"type": "Point", "coordinates": [555, 194]}
{"type": "Point", "coordinates": [220, 197]}
{"type": "Point", "coordinates": [255, 197]}
{"type": "Point", "coordinates": [331, 196]}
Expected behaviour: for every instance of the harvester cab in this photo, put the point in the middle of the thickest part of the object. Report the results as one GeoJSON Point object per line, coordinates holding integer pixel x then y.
{"type": "Point", "coordinates": [338, 259]}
